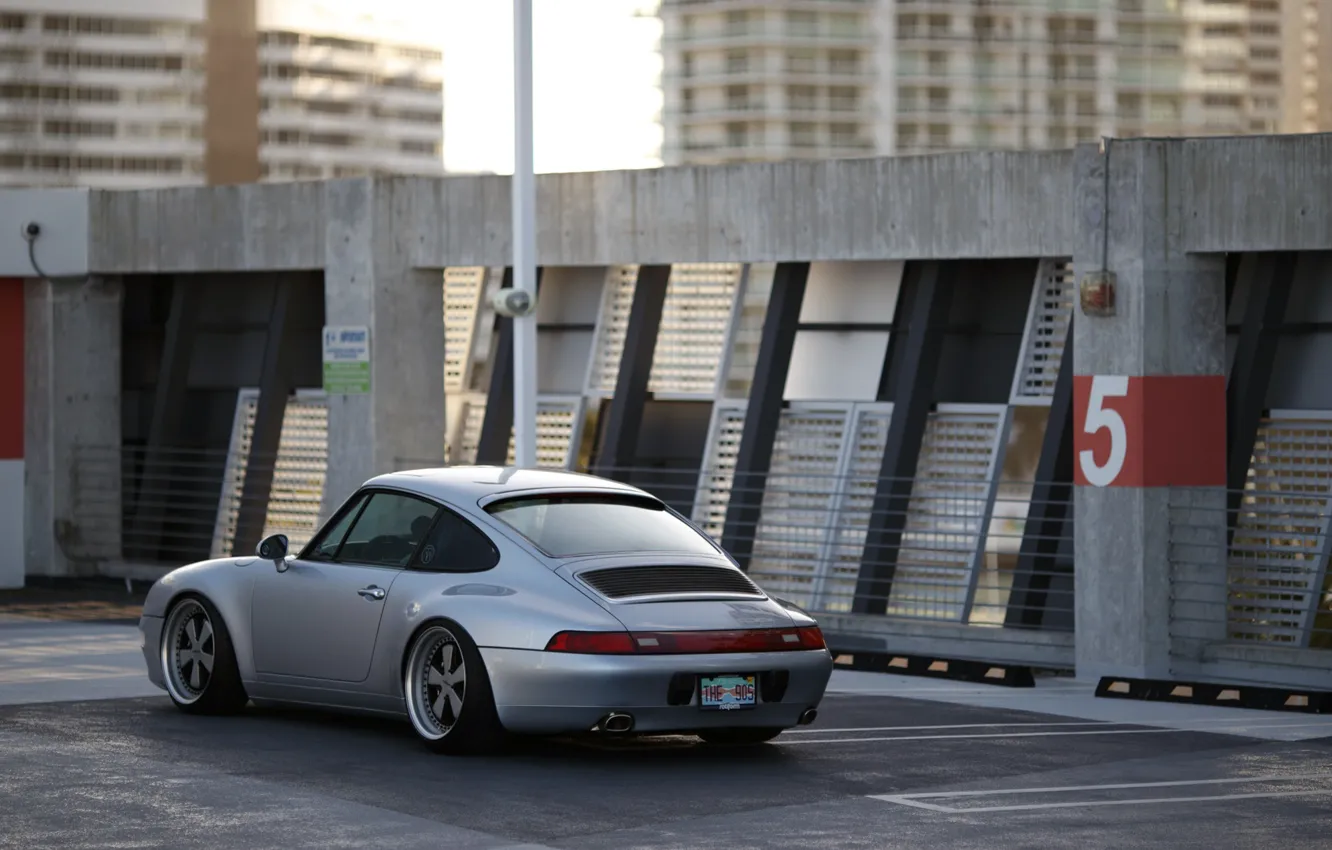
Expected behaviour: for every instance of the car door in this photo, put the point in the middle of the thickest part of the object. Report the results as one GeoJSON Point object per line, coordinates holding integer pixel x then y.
{"type": "Point", "coordinates": [320, 618]}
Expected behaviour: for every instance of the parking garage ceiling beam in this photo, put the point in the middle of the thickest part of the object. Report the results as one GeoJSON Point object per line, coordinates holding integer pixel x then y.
{"type": "Point", "coordinates": [270, 410]}
{"type": "Point", "coordinates": [619, 444]}
{"type": "Point", "coordinates": [152, 495]}
{"type": "Point", "coordinates": [925, 301]}
{"type": "Point", "coordinates": [1268, 279]}
{"type": "Point", "coordinates": [764, 410]}
{"type": "Point", "coordinates": [1050, 512]}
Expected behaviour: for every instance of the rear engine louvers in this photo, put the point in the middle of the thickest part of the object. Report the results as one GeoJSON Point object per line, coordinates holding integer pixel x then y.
{"type": "Point", "coordinates": [627, 582]}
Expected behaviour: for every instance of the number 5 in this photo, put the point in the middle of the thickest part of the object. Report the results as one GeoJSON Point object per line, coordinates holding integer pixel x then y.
{"type": "Point", "coordinates": [1098, 417]}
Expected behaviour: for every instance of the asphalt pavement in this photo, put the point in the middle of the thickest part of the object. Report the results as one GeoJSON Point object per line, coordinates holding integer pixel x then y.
{"type": "Point", "coordinates": [91, 755]}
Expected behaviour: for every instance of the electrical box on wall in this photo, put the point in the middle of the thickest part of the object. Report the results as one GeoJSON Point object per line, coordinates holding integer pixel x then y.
{"type": "Point", "coordinates": [1097, 293]}
{"type": "Point", "coordinates": [50, 226]}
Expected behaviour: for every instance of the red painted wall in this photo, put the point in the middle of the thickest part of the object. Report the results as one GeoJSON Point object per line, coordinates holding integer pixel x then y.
{"type": "Point", "coordinates": [1150, 431]}
{"type": "Point", "coordinates": [11, 369]}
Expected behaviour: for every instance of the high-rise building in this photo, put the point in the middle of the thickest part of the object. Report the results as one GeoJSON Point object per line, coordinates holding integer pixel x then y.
{"type": "Point", "coordinates": [771, 80]}
{"type": "Point", "coordinates": [794, 78]}
{"type": "Point", "coordinates": [1306, 65]}
{"type": "Point", "coordinates": [142, 93]}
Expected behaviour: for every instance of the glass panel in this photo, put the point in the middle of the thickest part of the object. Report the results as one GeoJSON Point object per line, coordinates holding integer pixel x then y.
{"type": "Point", "coordinates": [455, 545]}
{"type": "Point", "coordinates": [328, 545]}
{"type": "Point", "coordinates": [388, 531]}
{"type": "Point", "coordinates": [567, 525]}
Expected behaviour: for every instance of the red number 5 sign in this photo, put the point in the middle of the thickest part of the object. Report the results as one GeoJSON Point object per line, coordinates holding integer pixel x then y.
{"type": "Point", "coordinates": [1149, 431]}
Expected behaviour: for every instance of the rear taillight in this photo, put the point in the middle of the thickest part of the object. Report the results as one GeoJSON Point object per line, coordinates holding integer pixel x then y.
{"type": "Point", "coordinates": [687, 643]}
{"type": "Point", "coordinates": [811, 637]}
{"type": "Point", "coordinates": [592, 643]}
{"type": "Point", "coordinates": [697, 643]}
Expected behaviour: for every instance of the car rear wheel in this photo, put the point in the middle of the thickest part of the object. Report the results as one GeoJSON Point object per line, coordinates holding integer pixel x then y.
{"type": "Point", "coordinates": [449, 700]}
{"type": "Point", "coordinates": [739, 737]}
{"type": "Point", "coordinates": [198, 662]}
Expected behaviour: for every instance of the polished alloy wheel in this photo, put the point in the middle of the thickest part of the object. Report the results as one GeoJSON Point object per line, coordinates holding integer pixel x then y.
{"type": "Point", "coordinates": [436, 683]}
{"type": "Point", "coordinates": [188, 651]}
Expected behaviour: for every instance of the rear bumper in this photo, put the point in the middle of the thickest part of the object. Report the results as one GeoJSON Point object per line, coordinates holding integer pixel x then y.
{"type": "Point", "coordinates": [552, 693]}
{"type": "Point", "coordinates": [151, 629]}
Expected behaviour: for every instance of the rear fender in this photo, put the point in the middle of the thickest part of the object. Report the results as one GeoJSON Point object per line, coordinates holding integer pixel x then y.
{"type": "Point", "coordinates": [518, 606]}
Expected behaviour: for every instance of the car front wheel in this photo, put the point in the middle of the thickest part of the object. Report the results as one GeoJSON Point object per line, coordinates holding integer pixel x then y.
{"type": "Point", "coordinates": [198, 662]}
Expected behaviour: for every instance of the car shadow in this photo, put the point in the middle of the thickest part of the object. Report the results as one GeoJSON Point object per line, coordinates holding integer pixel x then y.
{"type": "Point", "coordinates": [587, 747]}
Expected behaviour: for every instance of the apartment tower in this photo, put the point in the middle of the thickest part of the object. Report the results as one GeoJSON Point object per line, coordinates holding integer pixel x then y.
{"type": "Point", "coordinates": [143, 93]}
{"type": "Point", "coordinates": [750, 80]}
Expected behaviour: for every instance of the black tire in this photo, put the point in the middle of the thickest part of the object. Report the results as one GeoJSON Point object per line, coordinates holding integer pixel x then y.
{"type": "Point", "coordinates": [475, 728]}
{"type": "Point", "coordinates": [219, 690]}
{"type": "Point", "coordinates": [746, 737]}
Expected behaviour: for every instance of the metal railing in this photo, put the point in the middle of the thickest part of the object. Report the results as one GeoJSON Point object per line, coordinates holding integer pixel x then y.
{"type": "Point", "coordinates": [171, 506]}
{"type": "Point", "coordinates": [938, 564]}
{"type": "Point", "coordinates": [959, 567]}
{"type": "Point", "coordinates": [1251, 595]}
{"type": "Point", "coordinates": [955, 556]}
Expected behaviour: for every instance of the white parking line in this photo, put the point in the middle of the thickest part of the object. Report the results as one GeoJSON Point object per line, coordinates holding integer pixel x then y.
{"type": "Point", "coordinates": [1070, 699]}
{"type": "Point", "coordinates": [916, 801]}
{"type": "Point", "coordinates": [812, 731]}
{"type": "Point", "coordinates": [1295, 720]}
{"type": "Point", "coordinates": [1026, 734]}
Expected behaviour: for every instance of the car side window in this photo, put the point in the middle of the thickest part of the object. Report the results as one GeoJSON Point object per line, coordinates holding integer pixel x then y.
{"type": "Point", "coordinates": [388, 530]}
{"type": "Point", "coordinates": [326, 548]}
{"type": "Point", "coordinates": [454, 545]}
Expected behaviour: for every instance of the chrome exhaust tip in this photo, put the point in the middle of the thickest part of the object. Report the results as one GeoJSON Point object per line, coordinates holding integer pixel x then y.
{"type": "Point", "coordinates": [617, 722]}
{"type": "Point", "coordinates": [809, 716]}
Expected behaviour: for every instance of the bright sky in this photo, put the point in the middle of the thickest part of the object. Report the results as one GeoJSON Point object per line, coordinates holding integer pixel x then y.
{"type": "Point", "coordinates": [597, 95]}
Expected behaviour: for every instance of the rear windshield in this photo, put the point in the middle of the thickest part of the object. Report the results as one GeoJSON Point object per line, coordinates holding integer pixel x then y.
{"type": "Point", "coordinates": [565, 525]}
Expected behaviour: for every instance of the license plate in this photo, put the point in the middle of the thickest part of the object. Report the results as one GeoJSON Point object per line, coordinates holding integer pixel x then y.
{"type": "Point", "coordinates": [727, 693]}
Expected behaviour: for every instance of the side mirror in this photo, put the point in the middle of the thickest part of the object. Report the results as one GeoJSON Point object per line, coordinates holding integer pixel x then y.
{"type": "Point", "coordinates": [274, 549]}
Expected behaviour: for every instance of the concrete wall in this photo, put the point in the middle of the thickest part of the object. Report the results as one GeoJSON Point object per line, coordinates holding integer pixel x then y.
{"type": "Point", "coordinates": [255, 227]}
{"type": "Point", "coordinates": [1256, 193]}
{"type": "Point", "coordinates": [369, 282]}
{"type": "Point", "coordinates": [955, 205]}
{"type": "Point", "coordinates": [61, 248]}
{"type": "Point", "coordinates": [952, 205]}
{"type": "Point", "coordinates": [1159, 217]}
{"type": "Point", "coordinates": [72, 423]}
{"type": "Point", "coordinates": [1248, 193]}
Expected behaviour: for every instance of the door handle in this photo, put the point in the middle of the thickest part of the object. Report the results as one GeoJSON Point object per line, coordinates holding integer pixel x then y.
{"type": "Point", "coordinates": [372, 592]}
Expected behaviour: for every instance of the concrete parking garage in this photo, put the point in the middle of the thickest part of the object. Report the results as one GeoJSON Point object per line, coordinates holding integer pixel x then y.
{"type": "Point", "coordinates": [944, 266]}
{"type": "Point", "coordinates": [91, 755]}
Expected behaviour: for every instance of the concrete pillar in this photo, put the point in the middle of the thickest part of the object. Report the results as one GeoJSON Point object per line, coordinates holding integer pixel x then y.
{"type": "Point", "coordinates": [369, 282]}
{"type": "Point", "coordinates": [72, 424]}
{"type": "Point", "coordinates": [1158, 367]}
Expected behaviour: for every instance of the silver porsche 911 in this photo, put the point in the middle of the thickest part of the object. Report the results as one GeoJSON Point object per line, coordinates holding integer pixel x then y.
{"type": "Point", "coordinates": [483, 600]}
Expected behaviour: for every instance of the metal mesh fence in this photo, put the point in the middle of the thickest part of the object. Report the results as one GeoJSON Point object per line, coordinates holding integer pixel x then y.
{"type": "Point", "coordinates": [175, 506]}
{"type": "Point", "coordinates": [956, 552]}
{"type": "Point", "coordinates": [948, 549]}
{"type": "Point", "coordinates": [1250, 567]}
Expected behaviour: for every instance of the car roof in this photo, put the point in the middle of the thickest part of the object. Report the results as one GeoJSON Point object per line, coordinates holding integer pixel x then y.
{"type": "Point", "coordinates": [472, 483]}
